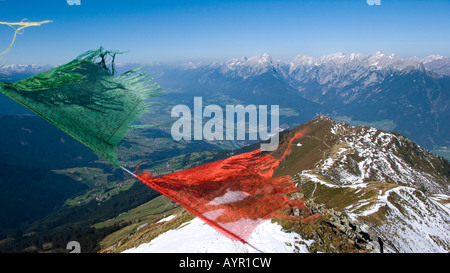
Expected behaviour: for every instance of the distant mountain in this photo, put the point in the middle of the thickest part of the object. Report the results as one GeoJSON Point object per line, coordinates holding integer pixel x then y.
{"type": "Point", "coordinates": [410, 93]}
{"type": "Point", "coordinates": [251, 66]}
{"type": "Point", "coordinates": [15, 72]}
{"type": "Point", "coordinates": [437, 64]}
{"type": "Point", "coordinates": [376, 191]}
{"type": "Point", "coordinates": [380, 87]}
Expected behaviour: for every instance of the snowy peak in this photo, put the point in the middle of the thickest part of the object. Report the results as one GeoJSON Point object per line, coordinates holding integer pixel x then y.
{"type": "Point", "coordinates": [262, 60]}
{"type": "Point", "coordinates": [357, 155]}
{"type": "Point", "coordinates": [18, 72]}
{"type": "Point", "coordinates": [302, 60]}
{"type": "Point", "coordinates": [381, 60]}
{"type": "Point", "coordinates": [22, 68]}
{"type": "Point", "coordinates": [247, 67]}
{"type": "Point", "coordinates": [340, 64]}
{"type": "Point", "coordinates": [378, 60]}
{"type": "Point", "coordinates": [432, 58]}
{"type": "Point", "coordinates": [340, 58]}
{"type": "Point", "coordinates": [437, 64]}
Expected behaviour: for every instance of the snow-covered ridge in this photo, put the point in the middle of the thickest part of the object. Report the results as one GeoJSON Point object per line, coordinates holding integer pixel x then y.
{"type": "Point", "coordinates": [389, 183]}
{"type": "Point", "coordinates": [379, 160]}
{"type": "Point", "coordinates": [23, 68]}
{"type": "Point", "coordinates": [376, 61]}
{"type": "Point", "coordinates": [337, 63]}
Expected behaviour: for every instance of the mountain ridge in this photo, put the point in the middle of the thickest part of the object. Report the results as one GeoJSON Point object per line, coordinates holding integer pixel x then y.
{"type": "Point", "coordinates": [436, 63]}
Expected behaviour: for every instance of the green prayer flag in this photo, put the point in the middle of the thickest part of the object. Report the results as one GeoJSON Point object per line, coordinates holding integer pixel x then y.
{"type": "Point", "coordinates": [84, 99]}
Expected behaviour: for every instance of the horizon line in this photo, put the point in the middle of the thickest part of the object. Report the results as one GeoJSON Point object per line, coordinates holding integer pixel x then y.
{"type": "Point", "coordinates": [188, 60]}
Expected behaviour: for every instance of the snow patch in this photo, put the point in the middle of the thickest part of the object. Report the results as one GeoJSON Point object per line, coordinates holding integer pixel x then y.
{"type": "Point", "coordinates": [168, 218]}
{"type": "Point", "coordinates": [229, 197]}
{"type": "Point", "coordinates": [198, 237]}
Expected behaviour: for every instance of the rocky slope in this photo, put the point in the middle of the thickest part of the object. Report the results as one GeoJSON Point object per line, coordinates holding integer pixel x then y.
{"type": "Point", "coordinates": [381, 180]}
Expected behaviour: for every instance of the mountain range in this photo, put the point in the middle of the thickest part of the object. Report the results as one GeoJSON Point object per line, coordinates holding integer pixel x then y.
{"type": "Point", "coordinates": [410, 94]}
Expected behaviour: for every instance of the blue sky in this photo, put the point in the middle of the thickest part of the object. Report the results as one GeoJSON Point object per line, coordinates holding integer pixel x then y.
{"type": "Point", "coordinates": [167, 30]}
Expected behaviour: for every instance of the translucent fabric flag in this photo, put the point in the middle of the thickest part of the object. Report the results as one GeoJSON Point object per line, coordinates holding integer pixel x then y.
{"type": "Point", "coordinates": [86, 100]}
{"type": "Point", "coordinates": [232, 195]}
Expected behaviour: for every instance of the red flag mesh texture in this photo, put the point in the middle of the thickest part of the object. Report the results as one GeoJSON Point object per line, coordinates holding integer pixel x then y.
{"type": "Point", "coordinates": [233, 195]}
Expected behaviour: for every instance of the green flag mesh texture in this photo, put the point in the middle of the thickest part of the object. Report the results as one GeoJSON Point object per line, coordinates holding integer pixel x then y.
{"type": "Point", "coordinates": [86, 100]}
